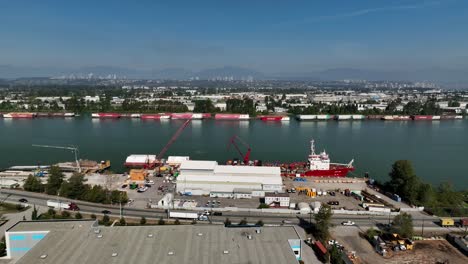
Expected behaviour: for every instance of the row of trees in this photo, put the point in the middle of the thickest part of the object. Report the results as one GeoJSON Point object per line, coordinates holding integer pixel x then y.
{"type": "Point", "coordinates": [241, 106]}
{"type": "Point", "coordinates": [442, 200]}
{"type": "Point", "coordinates": [74, 188]}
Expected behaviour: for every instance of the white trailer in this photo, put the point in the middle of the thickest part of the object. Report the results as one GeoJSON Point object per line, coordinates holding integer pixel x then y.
{"type": "Point", "coordinates": [183, 215]}
{"type": "Point", "coordinates": [58, 204]}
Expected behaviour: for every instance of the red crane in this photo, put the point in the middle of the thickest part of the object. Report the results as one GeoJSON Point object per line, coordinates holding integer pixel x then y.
{"type": "Point", "coordinates": [232, 141]}
{"type": "Point", "coordinates": [173, 139]}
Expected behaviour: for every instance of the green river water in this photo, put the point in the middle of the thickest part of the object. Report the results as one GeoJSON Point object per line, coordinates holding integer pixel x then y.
{"type": "Point", "coordinates": [438, 150]}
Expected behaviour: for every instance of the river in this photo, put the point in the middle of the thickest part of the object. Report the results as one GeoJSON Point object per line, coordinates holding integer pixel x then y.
{"type": "Point", "coordinates": [437, 149]}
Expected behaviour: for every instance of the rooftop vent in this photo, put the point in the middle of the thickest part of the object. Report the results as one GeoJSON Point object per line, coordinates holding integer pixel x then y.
{"type": "Point", "coordinates": [99, 236]}
{"type": "Point", "coordinates": [199, 234]}
{"type": "Point", "coordinates": [150, 235]}
{"type": "Point", "coordinates": [43, 256]}
{"type": "Point", "coordinates": [97, 231]}
{"type": "Point", "coordinates": [170, 253]}
{"type": "Point", "coordinates": [114, 254]}
{"type": "Point", "coordinates": [249, 237]}
{"type": "Point", "coordinates": [225, 252]}
{"type": "Point", "coordinates": [258, 231]}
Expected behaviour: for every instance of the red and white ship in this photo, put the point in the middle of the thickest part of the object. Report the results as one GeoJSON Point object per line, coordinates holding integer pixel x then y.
{"type": "Point", "coordinates": [396, 118]}
{"type": "Point", "coordinates": [19, 115]}
{"type": "Point", "coordinates": [274, 118]}
{"type": "Point", "coordinates": [154, 116]}
{"type": "Point", "coordinates": [186, 116]}
{"type": "Point", "coordinates": [319, 165]}
{"type": "Point", "coordinates": [232, 116]}
{"type": "Point", "coordinates": [106, 115]}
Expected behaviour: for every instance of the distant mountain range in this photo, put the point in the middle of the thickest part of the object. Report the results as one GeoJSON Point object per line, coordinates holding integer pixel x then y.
{"type": "Point", "coordinates": [433, 74]}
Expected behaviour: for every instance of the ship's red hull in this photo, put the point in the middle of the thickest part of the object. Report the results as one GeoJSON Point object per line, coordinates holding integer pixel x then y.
{"type": "Point", "coordinates": [154, 116]}
{"type": "Point", "coordinates": [337, 172]}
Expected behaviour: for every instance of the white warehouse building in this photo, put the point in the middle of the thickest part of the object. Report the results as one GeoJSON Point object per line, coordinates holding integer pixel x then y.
{"type": "Point", "coordinates": [202, 177]}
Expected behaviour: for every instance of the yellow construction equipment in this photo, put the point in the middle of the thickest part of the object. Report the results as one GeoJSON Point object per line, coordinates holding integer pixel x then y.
{"type": "Point", "coordinates": [306, 190]}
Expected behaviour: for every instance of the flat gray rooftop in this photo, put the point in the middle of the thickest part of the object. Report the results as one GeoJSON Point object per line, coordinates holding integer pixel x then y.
{"type": "Point", "coordinates": [168, 244]}
{"type": "Point", "coordinates": [47, 225]}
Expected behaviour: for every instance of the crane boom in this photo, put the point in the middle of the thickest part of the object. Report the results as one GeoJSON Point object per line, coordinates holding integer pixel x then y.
{"type": "Point", "coordinates": [173, 139]}
{"type": "Point", "coordinates": [246, 157]}
{"type": "Point", "coordinates": [72, 148]}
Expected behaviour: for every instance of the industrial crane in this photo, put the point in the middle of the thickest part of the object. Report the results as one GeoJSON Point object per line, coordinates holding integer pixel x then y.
{"type": "Point", "coordinates": [173, 139]}
{"type": "Point", "coordinates": [72, 148]}
{"type": "Point", "coordinates": [246, 157]}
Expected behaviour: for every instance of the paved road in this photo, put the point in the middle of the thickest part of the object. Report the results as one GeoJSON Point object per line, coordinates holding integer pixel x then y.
{"type": "Point", "coordinates": [362, 221]}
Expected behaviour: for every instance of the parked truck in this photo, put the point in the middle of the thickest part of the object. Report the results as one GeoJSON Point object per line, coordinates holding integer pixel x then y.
{"type": "Point", "coordinates": [63, 205]}
{"type": "Point", "coordinates": [187, 215]}
{"type": "Point", "coordinates": [447, 222]}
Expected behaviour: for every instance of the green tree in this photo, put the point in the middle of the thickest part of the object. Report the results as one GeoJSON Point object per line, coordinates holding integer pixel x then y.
{"type": "Point", "coordinates": [105, 219]}
{"type": "Point", "coordinates": [2, 247]}
{"type": "Point", "coordinates": [323, 223]}
{"type": "Point", "coordinates": [51, 212]}
{"type": "Point", "coordinates": [404, 181]}
{"type": "Point", "coordinates": [177, 222]}
{"type": "Point", "coordinates": [78, 216]}
{"type": "Point", "coordinates": [161, 221]}
{"type": "Point", "coordinates": [371, 233]}
{"type": "Point", "coordinates": [259, 223]}
{"type": "Point", "coordinates": [93, 216]}
{"type": "Point", "coordinates": [33, 184]}
{"type": "Point", "coordinates": [143, 221]}
{"type": "Point", "coordinates": [263, 205]}
{"type": "Point", "coordinates": [75, 186]}
{"type": "Point", "coordinates": [335, 255]}
{"type": "Point", "coordinates": [34, 213]}
{"type": "Point", "coordinates": [227, 222]}
{"type": "Point", "coordinates": [65, 214]}
{"type": "Point", "coordinates": [243, 221]}
{"type": "Point", "coordinates": [403, 225]}
{"type": "Point", "coordinates": [204, 106]}
{"type": "Point", "coordinates": [54, 181]}
{"type": "Point", "coordinates": [122, 221]}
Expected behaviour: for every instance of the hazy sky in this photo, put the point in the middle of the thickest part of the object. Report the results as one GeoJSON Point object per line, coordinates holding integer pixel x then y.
{"type": "Point", "coordinates": [270, 36]}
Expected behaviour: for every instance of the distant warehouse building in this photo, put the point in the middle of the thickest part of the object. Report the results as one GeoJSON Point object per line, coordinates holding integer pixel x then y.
{"type": "Point", "coordinates": [203, 177]}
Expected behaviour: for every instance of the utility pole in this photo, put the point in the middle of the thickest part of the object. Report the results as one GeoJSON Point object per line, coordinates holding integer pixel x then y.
{"type": "Point", "coordinates": [120, 205]}
{"type": "Point", "coordinates": [422, 229]}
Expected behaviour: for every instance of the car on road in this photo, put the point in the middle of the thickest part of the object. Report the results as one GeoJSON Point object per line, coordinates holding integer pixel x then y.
{"type": "Point", "coordinates": [23, 200]}
{"type": "Point", "coordinates": [348, 223]}
{"type": "Point", "coordinates": [124, 186]}
{"type": "Point", "coordinates": [287, 222]}
{"type": "Point", "coordinates": [217, 213]}
{"type": "Point", "coordinates": [333, 203]}
{"type": "Point", "coordinates": [106, 212]}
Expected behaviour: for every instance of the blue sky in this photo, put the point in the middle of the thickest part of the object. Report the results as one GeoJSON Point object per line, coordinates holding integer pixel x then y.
{"type": "Point", "coordinates": [269, 36]}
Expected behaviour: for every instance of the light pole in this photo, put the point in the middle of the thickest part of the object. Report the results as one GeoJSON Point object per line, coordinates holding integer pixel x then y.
{"type": "Point", "coordinates": [120, 204]}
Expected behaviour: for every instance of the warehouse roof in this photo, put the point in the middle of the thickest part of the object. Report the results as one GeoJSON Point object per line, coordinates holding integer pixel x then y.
{"type": "Point", "coordinates": [137, 158]}
{"type": "Point", "coordinates": [47, 225]}
{"type": "Point", "coordinates": [268, 171]}
{"type": "Point", "coordinates": [165, 244]}
{"type": "Point", "coordinates": [198, 165]}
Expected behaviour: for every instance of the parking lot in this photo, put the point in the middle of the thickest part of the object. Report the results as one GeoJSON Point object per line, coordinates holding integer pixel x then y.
{"type": "Point", "coordinates": [346, 202]}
